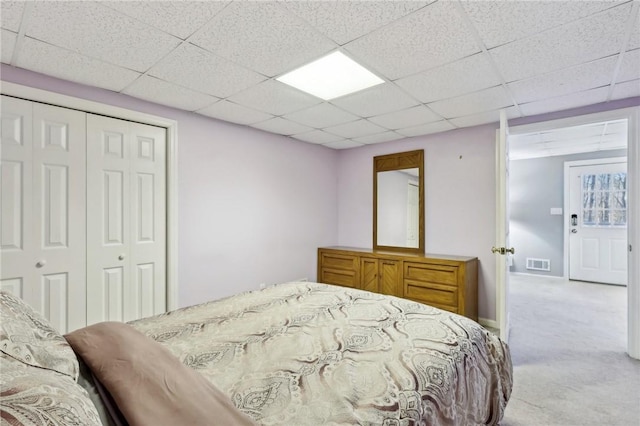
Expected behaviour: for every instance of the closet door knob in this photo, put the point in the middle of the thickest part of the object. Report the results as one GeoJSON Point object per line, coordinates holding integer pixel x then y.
{"type": "Point", "coordinates": [121, 257]}
{"type": "Point", "coordinates": [41, 263]}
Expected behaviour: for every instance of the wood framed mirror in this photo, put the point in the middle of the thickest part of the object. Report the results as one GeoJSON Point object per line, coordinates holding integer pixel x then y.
{"type": "Point", "coordinates": [398, 202]}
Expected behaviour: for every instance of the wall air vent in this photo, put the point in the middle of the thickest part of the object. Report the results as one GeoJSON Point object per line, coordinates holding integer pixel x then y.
{"type": "Point", "coordinates": [538, 264]}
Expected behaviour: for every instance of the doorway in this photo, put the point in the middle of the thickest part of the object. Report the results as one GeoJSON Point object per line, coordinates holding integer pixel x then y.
{"type": "Point", "coordinates": [631, 117]}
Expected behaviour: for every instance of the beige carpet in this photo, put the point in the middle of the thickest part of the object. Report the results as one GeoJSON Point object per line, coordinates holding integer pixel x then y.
{"type": "Point", "coordinates": [568, 342]}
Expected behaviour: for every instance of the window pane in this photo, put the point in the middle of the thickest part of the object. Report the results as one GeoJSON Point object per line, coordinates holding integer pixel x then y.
{"type": "Point", "coordinates": [589, 182]}
{"type": "Point", "coordinates": [619, 217]}
{"type": "Point", "coordinates": [620, 181]}
{"type": "Point", "coordinates": [604, 217]}
{"type": "Point", "coordinates": [619, 200]}
{"type": "Point", "coordinates": [602, 200]}
{"type": "Point", "coordinates": [588, 218]}
{"type": "Point", "coordinates": [604, 181]}
{"type": "Point", "coordinates": [588, 200]}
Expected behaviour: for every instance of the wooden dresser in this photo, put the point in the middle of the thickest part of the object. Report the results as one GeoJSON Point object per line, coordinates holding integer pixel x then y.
{"type": "Point", "coordinates": [446, 282]}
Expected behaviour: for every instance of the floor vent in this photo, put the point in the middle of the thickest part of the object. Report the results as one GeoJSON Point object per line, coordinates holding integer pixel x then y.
{"type": "Point", "coordinates": [538, 264]}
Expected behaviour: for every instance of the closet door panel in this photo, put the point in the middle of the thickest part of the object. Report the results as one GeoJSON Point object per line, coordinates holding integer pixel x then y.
{"type": "Point", "coordinates": [59, 199]}
{"type": "Point", "coordinates": [126, 219]}
{"type": "Point", "coordinates": [108, 181]}
{"type": "Point", "coordinates": [17, 247]}
{"type": "Point", "coordinates": [148, 247]}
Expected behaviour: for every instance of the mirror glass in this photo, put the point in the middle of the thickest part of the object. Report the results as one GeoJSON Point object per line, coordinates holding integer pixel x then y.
{"type": "Point", "coordinates": [398, 212]}
{"type": "Point", "coordinates": [398, 208]}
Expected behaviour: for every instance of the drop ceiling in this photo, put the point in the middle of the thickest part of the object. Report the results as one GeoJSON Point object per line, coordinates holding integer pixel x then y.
{"type": "Point", "coordinates": [446, 64]}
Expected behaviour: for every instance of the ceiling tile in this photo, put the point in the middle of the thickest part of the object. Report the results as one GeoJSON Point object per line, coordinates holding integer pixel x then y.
{"type": "Point", "coordinates": [318, 136]}
{"type": "Point", "coordinates": [581, 41]}
{"type": "Point", "coordinates": [99, 32]}
{"type": "Point", "coordinates": [634, 37]}
{"type": "Point", "coordinates": [281, 126]}
{"type": "Point", "coordinates": [262, 36]}
{"type": "Point", "coordinates": [406, 118]}
{"type": "Point", "coordinates": [345, 144]}
{"type": "Point", "coordinates": [483, 118]}
{"type": "Point", "coordinates": [321, 115]}
{"type": "Point", "coordinates": [380, 99]}
{"type": "Point", "coordinates": [425, 129]}
{"type": "Point", "coordinates": [275, 98]}
{"type": "Point", "coordinates": [343, 21]}
{"type": "Point", "coordinates": [11, 14]}
{"type": "Point", "coordinates": [432, 36]}
{"type": "Point", "coordinates": [355, 129]}
{"type": "Point", "coordinates": [179, 18]}
{"type": "Point", "coordinates": [483, 100]}
{"type": "Point", "coordinates": [7, 43]}
{"type": "Point", "coordinates": [627, 89]}
{"type": "Point", "coordinates": [630, 67]}
{"type": "Point", "coordinates": [457, 78]}
{"type": "Point", "coordinates": [500, 22]}
{"type": "Point", "coordinates": [559, 103]}
{"type": "Point", "coordinates": [55, 61]}
{"type": "Point", "coordinates": [161, 92]}
{"type": "Point", "coordinates": [574, 79]}
{"type": "Point", "coordinates": [198, 69]}
{"type": "Point", "coordinates": [380, 137]}
{"type": "Point", "coordinates": [228, 111]}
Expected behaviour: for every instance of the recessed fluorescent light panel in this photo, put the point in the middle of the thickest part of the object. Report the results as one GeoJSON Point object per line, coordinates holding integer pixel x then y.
{"type": "Point", "coordinates": [331, 76]}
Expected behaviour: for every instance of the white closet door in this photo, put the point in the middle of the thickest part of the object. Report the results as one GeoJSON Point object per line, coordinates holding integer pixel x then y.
{"type": "Point", "coordinates": [44, 175]}
{"type": "Point", "coordinates": [126, 220]}
{"type": "Point", "coordinates": [17, 246]}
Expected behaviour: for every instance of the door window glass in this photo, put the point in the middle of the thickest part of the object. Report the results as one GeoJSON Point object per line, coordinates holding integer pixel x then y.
{"type": "Point", "coordinates": [604, 199]}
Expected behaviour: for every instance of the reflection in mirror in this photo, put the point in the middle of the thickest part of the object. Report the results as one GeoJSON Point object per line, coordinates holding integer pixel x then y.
{"type": "Point", "coordinates": [398, 202]}
{"type": "Point", "coordinates": [398, 208]}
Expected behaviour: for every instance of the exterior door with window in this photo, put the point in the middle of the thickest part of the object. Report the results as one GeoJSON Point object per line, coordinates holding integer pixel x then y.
{"type": "Point", "coordinates": [598, 223]}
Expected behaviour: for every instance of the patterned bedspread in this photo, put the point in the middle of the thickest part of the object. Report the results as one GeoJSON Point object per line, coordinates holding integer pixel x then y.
{"type": "Point", "coordinates": [314, 354]}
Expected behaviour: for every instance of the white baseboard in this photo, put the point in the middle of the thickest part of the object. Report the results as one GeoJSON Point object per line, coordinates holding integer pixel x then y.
{"type": "Point", "coordinates": [526, 274]}
{"type": "Point", "coordinates": [488, 323]}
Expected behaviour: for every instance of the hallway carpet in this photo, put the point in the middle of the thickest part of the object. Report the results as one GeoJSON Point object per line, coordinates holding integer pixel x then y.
{"type": "Point", "coordinates": [568, 343]}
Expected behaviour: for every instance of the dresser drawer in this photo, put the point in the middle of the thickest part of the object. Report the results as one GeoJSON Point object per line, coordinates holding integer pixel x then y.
{"type": "Point", "coordinates": [339, 261]}
{"type": "Point", "coordinates": [342, 277]}
{"type": "Point", "coordinates": [432, 294]}
{"type": "Point", "coordinates": [431, 273]}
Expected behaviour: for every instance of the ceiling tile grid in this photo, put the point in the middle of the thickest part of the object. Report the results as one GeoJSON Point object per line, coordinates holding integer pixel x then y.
{"type": "Point", "coordinates": [446, 64]}
{"type": "Point", "coordinates": [161, 92]}
{"type": "Point", "coordinates": [190, 66]}
{"type": "Point", "coordinates": [322, 115]}
{"type": "Point", "coordinates": [96, 31]}
{"type": "Point", "coordinates": [380, 99]}
{"type": "Point", "coordinates": [11, 15]}
{"type": "Point", "coordinates": [344, 21]}
{"type": "Point", "coordinates": [58, 62]}
{"type": "Point", "coordinates": [432, 36]}
{"type": "Point", "coordinates": [585, 40]}
{"type": "Point", "coordinates": [572, 100]}
{"type": "Point", "coordinates": [457, 78]}
{"type": "Point", "coordinates": [266, 37]}
{"type": "Point", "coordinates": [406, 118]}
{"type": "Point", "coordinates": [193, 14]}
{"type": "Point", "coordinates": [229, 111]}
{"type": "Point", "coordinates": [566, 81]}
{"type": "Point", "coordinates": [7, 44]}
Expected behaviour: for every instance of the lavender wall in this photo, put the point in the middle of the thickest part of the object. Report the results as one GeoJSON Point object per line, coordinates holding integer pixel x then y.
{"type": "Point", "coordinates": [253, 206]}
{"type": "Point", "coordinates": [459, 191]}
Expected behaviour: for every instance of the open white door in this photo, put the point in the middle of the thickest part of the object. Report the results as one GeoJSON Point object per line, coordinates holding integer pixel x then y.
{"type": "Point", "coordinates": [502, 249]}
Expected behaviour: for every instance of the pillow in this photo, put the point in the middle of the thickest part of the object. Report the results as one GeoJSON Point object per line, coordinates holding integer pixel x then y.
{"type": "Point", "coordinates": [29, 338]}
{"type": "Point", "coordinates": [34, 396]}
{"type": "Point", "coordinates": [148, 383]}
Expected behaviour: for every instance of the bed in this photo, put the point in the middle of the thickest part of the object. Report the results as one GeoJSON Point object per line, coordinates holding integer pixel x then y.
{"type": "Point", "coordinates": [291, 354]}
